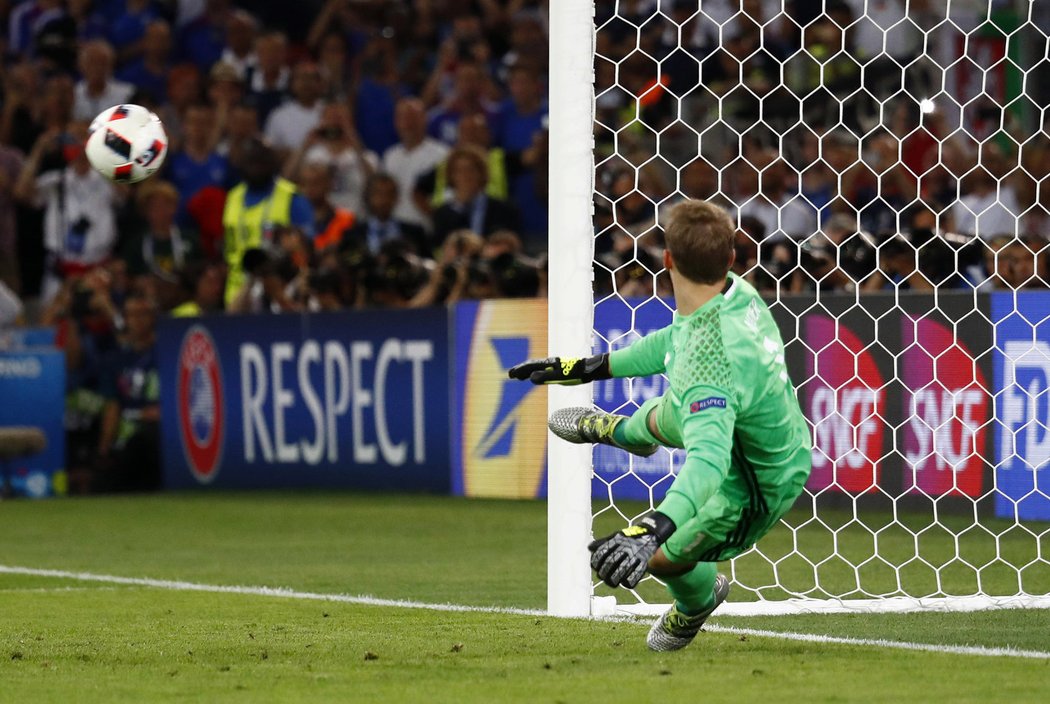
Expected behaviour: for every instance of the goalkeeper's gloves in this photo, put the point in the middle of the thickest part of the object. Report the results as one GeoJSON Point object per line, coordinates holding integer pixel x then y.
{"type": "Point", "coordinates": [563, 370]}
{"type": "Point", "coordinates": [622, 558]}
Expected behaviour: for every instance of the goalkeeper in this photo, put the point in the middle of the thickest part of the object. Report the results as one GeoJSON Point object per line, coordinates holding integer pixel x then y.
{"type": "Point", "coordinates": [730, 405]}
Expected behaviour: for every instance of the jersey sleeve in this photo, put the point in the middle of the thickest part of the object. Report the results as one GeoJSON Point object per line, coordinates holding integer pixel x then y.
{"type": "Point", "coordinates": [642, 358]}
{"type": "Point", "coordinates": [708, 416]}
{"type": "Point", "coordinates": [302, 215]}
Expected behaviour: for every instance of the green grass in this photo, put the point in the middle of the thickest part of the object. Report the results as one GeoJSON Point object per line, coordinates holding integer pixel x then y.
{"type": "Point", "coordinates": [65, 640]}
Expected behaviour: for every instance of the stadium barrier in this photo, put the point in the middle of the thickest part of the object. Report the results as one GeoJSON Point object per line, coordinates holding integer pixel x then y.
{"type": "Point", "coordinates": [32, 395]}
{"type": "Point", "coordinates": [394, 399]}
{"type": "Point", "coordinates": [353, 399]}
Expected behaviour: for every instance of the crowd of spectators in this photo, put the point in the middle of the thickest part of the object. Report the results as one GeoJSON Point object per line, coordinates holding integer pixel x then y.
{"type": "Point", "coordinates": [888, 154]}
{"type": "Point", "coordinates": [324, 155]}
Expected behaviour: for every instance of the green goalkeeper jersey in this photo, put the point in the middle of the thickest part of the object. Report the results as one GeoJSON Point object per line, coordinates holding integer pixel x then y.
{"type": "Point", "coordinates": [730, 404]}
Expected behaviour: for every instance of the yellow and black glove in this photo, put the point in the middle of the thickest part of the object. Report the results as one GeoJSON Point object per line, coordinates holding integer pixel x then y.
{"type": "Point", "coordinates": [621, 559]}
{"type": "Point", "coordinates": [563, 370]}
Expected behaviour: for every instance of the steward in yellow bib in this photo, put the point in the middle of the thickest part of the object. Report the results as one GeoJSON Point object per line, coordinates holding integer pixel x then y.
{"type": "Point", "coordinates": [254, 208]}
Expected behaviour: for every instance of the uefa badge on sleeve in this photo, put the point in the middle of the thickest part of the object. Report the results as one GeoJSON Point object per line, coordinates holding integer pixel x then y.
{"type": "Point", "coordinates": [201, 413]}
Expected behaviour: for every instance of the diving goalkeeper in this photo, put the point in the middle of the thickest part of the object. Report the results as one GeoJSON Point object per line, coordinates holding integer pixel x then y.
{"type": "Point", "coordinates": [730, 405]}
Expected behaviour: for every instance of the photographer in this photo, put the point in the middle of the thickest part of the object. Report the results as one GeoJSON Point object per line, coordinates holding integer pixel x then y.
{"type": "Point", "coordinates": [79, 223]}
{"type": "Point", "coordinates": [129, 440]}
{"type": "Point", "coordinates": [335, 145]}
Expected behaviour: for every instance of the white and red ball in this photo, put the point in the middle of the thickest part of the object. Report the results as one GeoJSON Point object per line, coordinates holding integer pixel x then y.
{"type": "Point", "coordinates": [127, 143]}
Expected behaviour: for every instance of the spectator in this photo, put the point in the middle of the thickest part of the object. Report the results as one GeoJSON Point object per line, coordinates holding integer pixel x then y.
{"type": "Point", "coordinates": [289, 124]}
{"type": "Point", "coordinates": [467, 98]}
{"type": "Point", "coordinates": [778, 205]}
{"type": "Point", "coordinates": [98, 90]}
{"type": "Point", "coordinates": [255, 208]}
{"type": "Point", "coordinates": [377, 224]}
{"type": "Point", "coordinates": [26, 20]}
{"type": "Point", "coordinates": [473, 133]}
{"type": "Point", "coordinates": [11, 308]}
{"type": "Point", "coordinates": [382, 86]}
{"type": "Point", "coordinates": [197, 164]}
{"type": "Point", "coordinates": [334, 143]}
{"type": "Point", "coordinates": [184, 90]}
{"type": "Point", "coordinates": [206, 282]}
{"type": "Point", "coordinates": [469, 207]}
{"type": "Point", "coordinates": [11, 162]}
{"type": "Point", "coordinates": [160, 248]}
{"type": "Point", "coordinates": [330, 220]}
{"type": "Point", "coordinates": [333, 64]}
{"type": "Point", "coordinates": [268, 83]}
{"type": "Point", "coordinates": [241, 127]}
{"type": "Point", "coordinates": [204, 39]}
{"type": "Point", "coordinates": [523, 135]}
{"type": "Point", "coordinates": [22, 110]}
{"type": "Point", "coordinates": [127, 32]}
{"type": "Point", "coordinates": [987, 207]}
{"type": "Point", "coordinates": [414, 155]}
{"type": "Point", "coordinates": [225, 90]}
{"type": "Point", "coordinates": [241, 31]}
{"type": "Point", "coordinates": [79, 222]}
{"type": "Point", "coordinates": [149, 72]}
{"type": "Point", "coordinates": [129, 440]}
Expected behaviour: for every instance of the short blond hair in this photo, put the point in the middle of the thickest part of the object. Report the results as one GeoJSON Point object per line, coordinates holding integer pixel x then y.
{"type": "Point", "coordinates": [700, 237]}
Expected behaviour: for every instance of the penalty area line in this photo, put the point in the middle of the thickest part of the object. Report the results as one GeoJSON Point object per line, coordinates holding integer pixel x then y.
{"type": "Point", "coordinates": [283, 593]}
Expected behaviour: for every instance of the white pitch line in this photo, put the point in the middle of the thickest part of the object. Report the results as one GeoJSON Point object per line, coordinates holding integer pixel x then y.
{"type": "Point", "coordinates": [283, 593]}
{"type": "Point", "coordinates": [900, 645]}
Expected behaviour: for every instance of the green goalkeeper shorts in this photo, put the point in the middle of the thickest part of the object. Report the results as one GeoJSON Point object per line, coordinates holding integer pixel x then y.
{"type": "Point", "coordinates": [730, 522]}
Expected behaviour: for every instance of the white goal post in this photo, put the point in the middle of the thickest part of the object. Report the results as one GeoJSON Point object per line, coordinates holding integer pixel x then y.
{"type": "Point", "coordinates": [917, 144]}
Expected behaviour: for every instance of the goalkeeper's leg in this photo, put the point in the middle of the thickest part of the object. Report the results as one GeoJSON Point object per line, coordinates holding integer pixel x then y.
{"type": "Point", "coordinates": [697, 589]}
{"type": "Point", "coordinates": [635, 433]}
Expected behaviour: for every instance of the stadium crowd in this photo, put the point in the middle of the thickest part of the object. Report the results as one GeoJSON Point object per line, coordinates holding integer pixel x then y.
{"type": "Point", "coordinates": [325, 154]}
{"type": "Point", "coordinates": [880, 157]}
{"type": "Point", "coordinates": [332, 154]}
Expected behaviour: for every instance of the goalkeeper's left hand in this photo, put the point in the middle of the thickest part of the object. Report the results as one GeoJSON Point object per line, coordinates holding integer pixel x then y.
{"type": "Point", "coordinates": [622, 558]}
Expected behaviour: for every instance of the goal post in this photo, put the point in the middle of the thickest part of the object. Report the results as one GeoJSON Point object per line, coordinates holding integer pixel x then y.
{"type": "Point", "coordinates": [570, 303]}
{"type": "Point", "coordinates": [889, 176]}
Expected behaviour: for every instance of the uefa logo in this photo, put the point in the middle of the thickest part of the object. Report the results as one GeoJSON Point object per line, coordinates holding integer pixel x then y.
{"type": "Point", "coordinates": [200, 404]}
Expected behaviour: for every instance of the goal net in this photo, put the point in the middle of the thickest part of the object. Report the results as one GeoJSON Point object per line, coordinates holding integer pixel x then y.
{"type": "Point", "coordinates": [886, 162]}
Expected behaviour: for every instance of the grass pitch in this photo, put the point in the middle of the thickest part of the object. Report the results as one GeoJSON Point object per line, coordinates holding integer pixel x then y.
{"type": "Point", "coordinates": [68, 640]}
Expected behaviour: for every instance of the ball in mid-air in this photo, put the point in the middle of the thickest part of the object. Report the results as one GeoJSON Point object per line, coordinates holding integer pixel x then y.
{"type": "Point", "coordinates": [127, 143]}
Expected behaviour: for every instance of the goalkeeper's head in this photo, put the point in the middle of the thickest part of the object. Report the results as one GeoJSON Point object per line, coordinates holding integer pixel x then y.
{"type": "Point", "coordinates": [700, 239]}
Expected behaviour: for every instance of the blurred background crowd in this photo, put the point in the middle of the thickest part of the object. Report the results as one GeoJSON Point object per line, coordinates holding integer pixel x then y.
{"type": "Point", "coordinates": [334, 154]}
{"type": "Point", "coordinates": [865, 145]}
{"type": "Point", "coordinates": [324, 155]}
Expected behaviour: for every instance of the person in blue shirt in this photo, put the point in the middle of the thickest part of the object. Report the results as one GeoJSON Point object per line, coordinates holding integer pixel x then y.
{"type": "Point", "coordinates": [149, 72]}
{"type": "Point", "coordinates": [128, 28]}
{"type": "Point", "coordinates": [197, 164]}
{"type": "Point", "coordinates": [203, 40]}
{"type": "Point", "coordinates": [521, 124]}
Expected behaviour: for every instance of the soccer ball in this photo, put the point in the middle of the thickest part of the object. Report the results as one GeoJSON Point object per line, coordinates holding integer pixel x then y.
{"type": "Point", "coordinates": [126, 143]}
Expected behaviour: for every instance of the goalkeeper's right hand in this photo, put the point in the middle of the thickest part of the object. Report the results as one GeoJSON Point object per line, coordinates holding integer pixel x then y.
{"type": "Point", "coordinates": [563, 370]}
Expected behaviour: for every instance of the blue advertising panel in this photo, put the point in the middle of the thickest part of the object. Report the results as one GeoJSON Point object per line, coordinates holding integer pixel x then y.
{"type": "Point", "coordinates": [33, 387]}
{"type": "Point", "coordinates": [1022, 404]}
{"type": "Point", "coordinates": [349, 399]}
{"type": "Point", "coordinates": [617, 474]}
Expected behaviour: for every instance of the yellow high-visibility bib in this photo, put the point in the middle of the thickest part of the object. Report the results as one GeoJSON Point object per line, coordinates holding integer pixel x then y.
{"type": "Point", "coordinates": [245, 228]}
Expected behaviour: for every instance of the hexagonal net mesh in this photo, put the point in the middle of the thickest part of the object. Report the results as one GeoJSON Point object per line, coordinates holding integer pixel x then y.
{"type": "Point", "coordinates": [886, 164]}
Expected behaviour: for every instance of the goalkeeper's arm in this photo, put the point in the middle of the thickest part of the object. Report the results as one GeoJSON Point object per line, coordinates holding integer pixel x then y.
{"type": "Point", "coordinates": [643, 358]}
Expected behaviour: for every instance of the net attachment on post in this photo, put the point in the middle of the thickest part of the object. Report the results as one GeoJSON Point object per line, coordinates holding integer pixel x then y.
{"type": "Point", "coordinates": [887, 170]}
